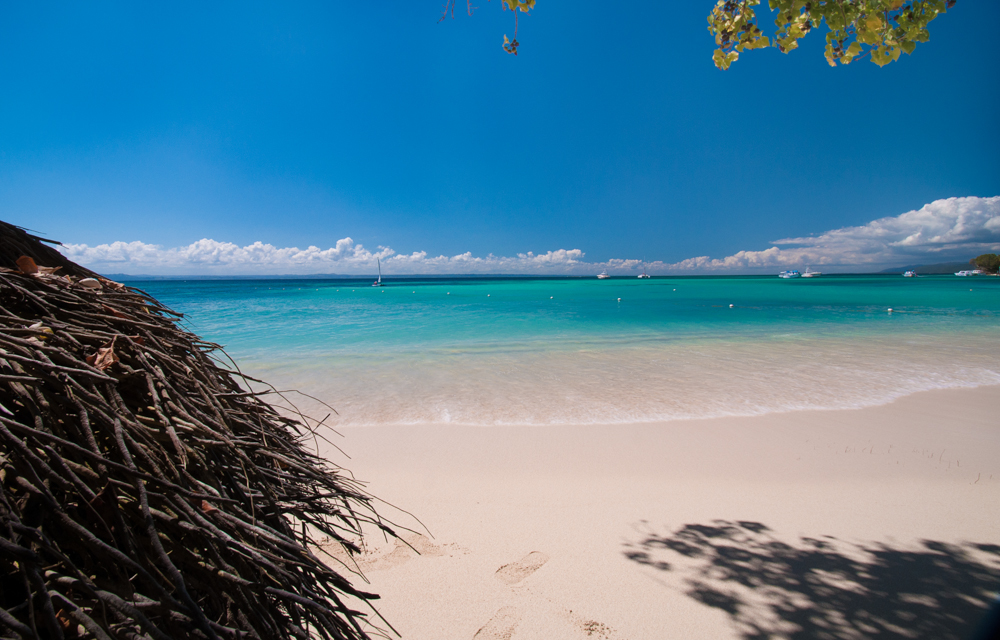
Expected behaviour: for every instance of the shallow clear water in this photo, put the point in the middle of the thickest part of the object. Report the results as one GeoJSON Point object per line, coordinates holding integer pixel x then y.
{"type": "Point", "coordinates": [540, 351]}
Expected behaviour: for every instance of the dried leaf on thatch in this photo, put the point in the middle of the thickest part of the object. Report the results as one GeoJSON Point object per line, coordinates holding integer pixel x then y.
{"type": "Point", "coordinates": [105, 356]}
{"type": "Point", "coordinates": [27, 265]}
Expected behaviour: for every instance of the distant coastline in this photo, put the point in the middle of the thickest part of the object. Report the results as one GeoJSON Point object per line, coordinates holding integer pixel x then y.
{"type": "Point", "coordinates": [936, 269]}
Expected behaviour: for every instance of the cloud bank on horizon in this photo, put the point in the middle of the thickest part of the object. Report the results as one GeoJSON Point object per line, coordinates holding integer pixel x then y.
{"type": "Point", "coordinates": [949, 229]}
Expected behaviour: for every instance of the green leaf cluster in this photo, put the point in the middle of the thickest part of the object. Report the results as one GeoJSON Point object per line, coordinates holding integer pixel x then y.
{"type": "Point", "coordinates": [988, 262]}
{"type": "Point", "coordinates": [883, 29]}
{"type": "Point", "coordinates": [523, 5]}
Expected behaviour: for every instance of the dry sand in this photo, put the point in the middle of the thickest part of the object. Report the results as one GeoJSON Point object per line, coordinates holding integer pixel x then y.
{"type": "Point", "coordinates": [839, 524]}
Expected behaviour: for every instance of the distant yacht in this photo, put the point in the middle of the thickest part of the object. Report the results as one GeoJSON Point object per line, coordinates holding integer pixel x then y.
{"type": "Point", "coordinates": [378, 283]}
{"type": "Point", "coordinates": [603, 275]}
{"type": "Point", "coordinates": [794, 273]}
{"type": "Point", "coordinates": [643, 274]}
{"type": "Point", "coordinates": [969, 272]}
{"type": "Point", "coordinates": [910, 273]}
{"type": "Point", "coordinates": [811, 274]}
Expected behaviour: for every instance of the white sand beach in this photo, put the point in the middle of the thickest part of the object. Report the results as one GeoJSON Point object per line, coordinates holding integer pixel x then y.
{"type": "Point", "coordinates": [843, 522]}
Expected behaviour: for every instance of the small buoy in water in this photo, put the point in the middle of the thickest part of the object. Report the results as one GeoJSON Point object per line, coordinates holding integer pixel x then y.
{"type": "Point", "coordinates": [619, 299]}
{"type": "Point", "coordinates": [449, 293]}
{"type": "Point", "coordinates": [550, 297]}
{"type": "Point", "coordinates": [487, 295]}
{"type": "Point", "coordinates": [414, 292]}
{"type": "Point", "coordinates": [730, 306]}
{"type": "Point", "coordinates": [890, 309]}
{"type": "Point", "coordinates": [675, 289]}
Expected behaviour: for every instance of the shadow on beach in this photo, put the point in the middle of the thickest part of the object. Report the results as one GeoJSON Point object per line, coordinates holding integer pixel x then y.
{"type": "Point", "coordinates": [826, 588]}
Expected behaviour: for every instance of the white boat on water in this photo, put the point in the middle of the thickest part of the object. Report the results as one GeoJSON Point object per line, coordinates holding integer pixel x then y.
{"type": "Point", "coordinates": [910, 274]}
{"type": "Point", "coordinates": [809, 273]}
{"type": "Point", "coordinates": [603, 275]}
{"type": "Point", "coordinates": [793, 273]}
{"type": "Point", "coordinates": [643, 274]}
{"type": "Point", "coordinates": [969, 272]}
{"type": "Point", "coordinates": [378, 283]}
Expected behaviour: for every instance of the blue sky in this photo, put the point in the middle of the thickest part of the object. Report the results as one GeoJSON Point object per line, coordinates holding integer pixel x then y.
{"type": "Point", "coordinates": [611, 133]}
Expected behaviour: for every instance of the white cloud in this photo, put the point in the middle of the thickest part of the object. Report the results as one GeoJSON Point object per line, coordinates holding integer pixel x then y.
{"type": "Point", "coordinates": [211, 257]}
{"type": "Point", "coordinates": [956, 228]}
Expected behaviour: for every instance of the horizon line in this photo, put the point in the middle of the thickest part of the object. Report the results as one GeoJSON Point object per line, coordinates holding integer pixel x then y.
{"type": "Point", "coordinates": [413, 276]}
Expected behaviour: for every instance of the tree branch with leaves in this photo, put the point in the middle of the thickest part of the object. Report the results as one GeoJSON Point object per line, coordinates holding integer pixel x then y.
{"type": "Point", "coordinates": [510, 46]}
{"type": "Point", "coordinates": [881, 29]}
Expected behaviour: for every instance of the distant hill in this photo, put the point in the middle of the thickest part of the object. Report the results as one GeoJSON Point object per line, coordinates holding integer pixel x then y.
{"type": "Point", "coordinates": [932, 269]}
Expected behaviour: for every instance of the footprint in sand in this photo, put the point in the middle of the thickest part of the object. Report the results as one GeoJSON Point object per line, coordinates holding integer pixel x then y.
{"type": "Point", "coordinates": [501, 626]}
{"type": "Point", "coordinates": [516, 571]}
{"type": "Point", "coordinates": [403, 550]}
{"type": "Point", "coordinates": [407, 548]}
{"type": "Point", "coordinates": [596, 629]}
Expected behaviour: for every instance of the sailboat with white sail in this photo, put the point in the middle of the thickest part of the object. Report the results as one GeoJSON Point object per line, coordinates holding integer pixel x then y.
{"type": "Point", "coordinates": [378, 283]}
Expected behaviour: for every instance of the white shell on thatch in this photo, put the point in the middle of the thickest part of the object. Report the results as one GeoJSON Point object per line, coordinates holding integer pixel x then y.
{"type": "Point", "coordinates": [90, 283]}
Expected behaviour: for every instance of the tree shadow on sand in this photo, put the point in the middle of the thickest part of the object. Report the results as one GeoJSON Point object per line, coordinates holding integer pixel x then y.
{"type": "Point", "coordinates": [826, 588]}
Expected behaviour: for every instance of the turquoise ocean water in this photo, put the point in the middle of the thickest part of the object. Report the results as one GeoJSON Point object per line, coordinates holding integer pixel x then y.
{"type": "Point", "coordinates": [488, 351]}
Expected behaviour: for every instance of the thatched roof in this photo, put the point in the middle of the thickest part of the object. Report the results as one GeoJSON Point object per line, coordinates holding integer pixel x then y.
{"type": "Point", "coordinates": [146, 493]}
{"type": "Point", "coordinates": [16, 242]}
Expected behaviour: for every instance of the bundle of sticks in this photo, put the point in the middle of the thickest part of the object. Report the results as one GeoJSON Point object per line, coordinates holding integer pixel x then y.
{"type": "Point", "coordinates": [146, 492]}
